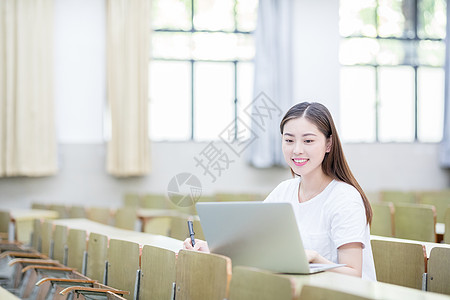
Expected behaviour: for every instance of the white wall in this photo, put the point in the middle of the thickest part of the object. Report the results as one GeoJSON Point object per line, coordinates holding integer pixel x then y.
{"type": "Point", "coordinates": [80, 95]}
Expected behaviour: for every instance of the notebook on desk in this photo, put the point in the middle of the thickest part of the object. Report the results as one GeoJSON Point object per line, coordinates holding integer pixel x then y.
{"type": "Point", "coordinates": [257, 234]}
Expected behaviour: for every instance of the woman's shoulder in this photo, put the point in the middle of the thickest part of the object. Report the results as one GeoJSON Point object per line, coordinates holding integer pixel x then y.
{"type": "Point", "coordinates": [283, 189]}
{"type": "Point", "coordinates": [345, 191]}
{"type": "Point", "coordinates": [344, 187]}
{"type": "Point", "coordinates": [288, 183]}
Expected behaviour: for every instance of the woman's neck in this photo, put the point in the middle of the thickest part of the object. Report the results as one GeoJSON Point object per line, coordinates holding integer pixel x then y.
{"type": "Point", "coordinates": [311, 186]}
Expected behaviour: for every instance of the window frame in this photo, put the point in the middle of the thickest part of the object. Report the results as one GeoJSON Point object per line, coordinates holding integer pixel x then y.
{"type": "Point", "coordinates": [193, 62]}
{"type": "Point", "coordinates": [415, 66]}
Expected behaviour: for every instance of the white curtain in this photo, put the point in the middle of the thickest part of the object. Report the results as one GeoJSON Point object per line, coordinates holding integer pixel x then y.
{"type": "Point", "coordinates": [27, 123]}
{"type": "Point", "coordinates": [128, 40]}
{"type": "Point", "coordinates": [273, 80]}
{"type": "Point", "coordinates": [445, 145]}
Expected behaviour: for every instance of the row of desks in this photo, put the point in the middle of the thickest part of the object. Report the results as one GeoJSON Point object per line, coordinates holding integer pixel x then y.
{"type": "Point", "coordinates": [122, 234]}
{"type": "Point", "coordinates": [331, 280]}
{"type": "Point", "coordinates": [353, 285]}
{"type": "Point", "coordinates": [360, 287]}
{"type": "Point", "coordinates": [22, 219]}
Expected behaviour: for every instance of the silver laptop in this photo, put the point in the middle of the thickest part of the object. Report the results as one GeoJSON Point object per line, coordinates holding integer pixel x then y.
{"type": "Point", "coordinates": [257, 234]}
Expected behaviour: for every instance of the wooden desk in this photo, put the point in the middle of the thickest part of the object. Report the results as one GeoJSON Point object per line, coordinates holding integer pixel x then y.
{"type": "Point", "coordinates": [358, 286]}
{"type": "Point", "coordinates": [146, 214]}
{"type": "Point", "coordinates": [122, 234]}
{"type": "Point", "coordinates": [6, 295]}
{"type": "Point", "coordinates": [428, 245]}
{"type": "Point", "coordinates": [22, 221]}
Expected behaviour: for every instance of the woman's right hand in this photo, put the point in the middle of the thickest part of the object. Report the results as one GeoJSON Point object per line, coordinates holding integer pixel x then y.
{"type": "Point", "coordinates": [200, 245]}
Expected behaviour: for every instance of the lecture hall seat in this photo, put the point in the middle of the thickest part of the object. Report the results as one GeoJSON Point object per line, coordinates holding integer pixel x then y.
{"type": "Point", "coordinates": [439, 199]}
{"type": "Point", "coordinates": [157, 273]}
{"type": "Point", "coordinates": [202, 276]}
{"type": "Point", "coordinates": [123, 263]}
{"type": "Point", "coordinates": [415, 222]}
{"type": "Point", "coordinates": [76, 247]}
{"type": "Point", "coordinates": [397, 196]}
{"type": "Point", "coordinates": [399, 263]}
{"type": "Point", "coordinates": [383, 219]}
{"type": "Point", "coordinates": [125, 218]}
{"type": "Point", "coordinates": [438, 277]}
{"type": "Point", "coordinates": [252, 283]}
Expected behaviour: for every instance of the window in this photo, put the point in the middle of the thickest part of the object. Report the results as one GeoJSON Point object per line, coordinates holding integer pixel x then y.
{"type": "Point", "coordinates": [201, 71]}
{"type": "Point", "coordinates": [392, 78]}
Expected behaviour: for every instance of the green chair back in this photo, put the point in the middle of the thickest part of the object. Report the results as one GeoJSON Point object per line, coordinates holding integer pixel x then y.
{"type": "Point", "coordinates": [154, 201]}
{"type": "Point", "coordinates": [157, 273]}
{"type": "Point", "coordinates": [96, 256]}
{"type": "Point", "coordinates": [415, 222]}
{"type": "Point", "coordinates": [439, 199]}
{"type": "Point", "coordinates": [398, 196]}
{"type": "Point", "coordinates": [399, 263]}
{"type": "Point", "coordinates": [252, 283]}
{"type": "Point", "coordinates": [123, 263]}
{"type": "Point", "coordinates": [59, 242]}
{"type": "Point", "coordinates": [126, 218]}
{"type": "Point", "coordinates": [77, 245]}
{"type": "Point", "coordinates": [439, 271]}
{"type": "Point", "coordinates": [383, 219]}
{"type": "Point", "coordinates": [210, 280]}
{"type": "Point", "coordinates": [132, 200]}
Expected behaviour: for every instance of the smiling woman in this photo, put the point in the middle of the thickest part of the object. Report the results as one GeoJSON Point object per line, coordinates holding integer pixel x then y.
{"type": "Point", "coordinates": [332, 212]}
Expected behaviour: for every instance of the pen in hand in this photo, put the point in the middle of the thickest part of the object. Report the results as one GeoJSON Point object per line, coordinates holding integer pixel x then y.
{"type": "Point", "coordinates": [191, 232]}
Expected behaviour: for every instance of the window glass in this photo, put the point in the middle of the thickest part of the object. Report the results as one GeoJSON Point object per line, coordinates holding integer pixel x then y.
{"type": "Point", "coordinates": [246, 15]}
{"type": "Point", "coordinates": [358, 51]}
{"type": "Point", "coordinates": [401, 43]}
{"type": "Point", "coordinates": [171, 45]}
{"type": "Point", "coordinates": [358, 104]}
{"type": "Point", "coordinates": [245, 94]}
{"type": "Point", "coordinates": [214, 15]}
{"type": "Point", "coordinates": [170, 103]}
{"type": "Point", "coordinates": [396, 115]}
{"type": "Point", "coordinates": [431, 53]}
{"type": "Point", "coordinates": [430, 104]}
{"type": "Point", "coordinates": [395, 52]}
{"type": "Point", "coordinates": [432, 19]}
{"type": "Point", "coordinates": [357, 18]}
{"type": "Point", "coordinates": [216, 45]}
{"type": "Point", "coordinates": [214, 99]}
{"type": "Point", "coordinates": [171, 14]}
{"type": "Point", "coordinates": [396, 18]}
{"type": "Point", "coordinates": [222, 46]}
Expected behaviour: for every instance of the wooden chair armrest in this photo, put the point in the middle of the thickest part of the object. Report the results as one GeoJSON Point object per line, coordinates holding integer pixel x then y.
{"type": "Point", "coordinates": [51, 279]}
{"type": "Point", "coordinates": [33, 261]}
{"type": "Point", "coordinates": [23, 254]}
{"type": "Point", "coordinates": [88, 289]}
{"type": "Point", "coordinates": [41, 267]}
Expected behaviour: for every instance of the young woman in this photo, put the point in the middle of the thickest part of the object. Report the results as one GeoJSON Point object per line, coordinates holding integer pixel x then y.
{"type": "Point", "coordinates": [332, 211]}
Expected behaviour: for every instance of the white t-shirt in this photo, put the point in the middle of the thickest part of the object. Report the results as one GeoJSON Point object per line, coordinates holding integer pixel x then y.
{"type": "Point", "coordinates": [331, 219]}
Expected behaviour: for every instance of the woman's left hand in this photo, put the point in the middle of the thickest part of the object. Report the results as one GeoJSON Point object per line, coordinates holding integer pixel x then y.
{"type": "Point", "coordinates": [311, 255]}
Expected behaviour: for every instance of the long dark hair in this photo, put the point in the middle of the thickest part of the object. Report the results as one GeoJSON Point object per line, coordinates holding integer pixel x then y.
{"type": "Point", "coordinates": [334, 163]}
